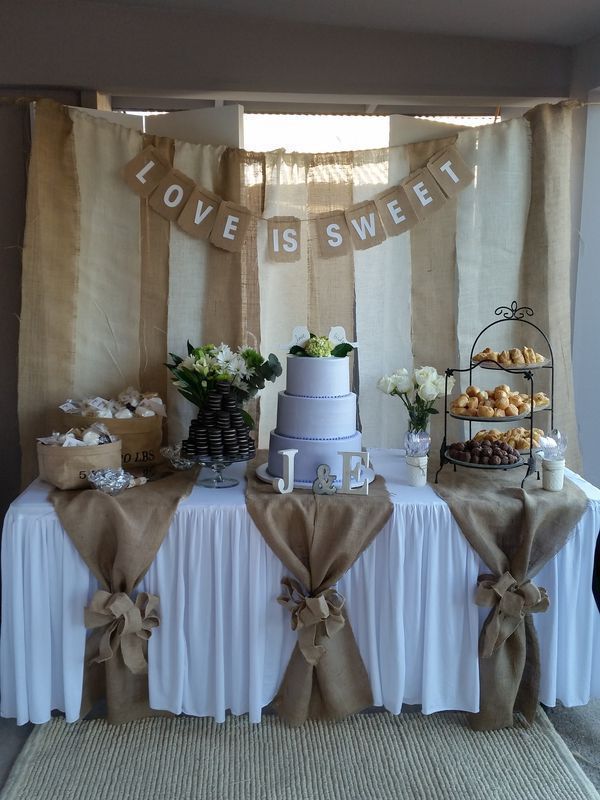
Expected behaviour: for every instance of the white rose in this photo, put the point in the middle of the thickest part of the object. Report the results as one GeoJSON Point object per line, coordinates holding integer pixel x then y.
{"type": "Point", "coordinates": [426, 375]}
{"type": "Point", "coordinates": [386, 384]}
{"type": "Point", "coordinates": [403, 382]}
{"type": "Point", "coordinates": [428, 391]}
{"type": "Point", "coordinates": [441, 384]}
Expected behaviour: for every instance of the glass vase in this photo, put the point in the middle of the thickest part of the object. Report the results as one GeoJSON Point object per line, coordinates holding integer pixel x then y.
{"type": "Point", "coordinates": [416, 442]}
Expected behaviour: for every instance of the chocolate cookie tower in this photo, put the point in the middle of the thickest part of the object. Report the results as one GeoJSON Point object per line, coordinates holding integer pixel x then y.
{"type": "Point", "coordinates": [219, 431]}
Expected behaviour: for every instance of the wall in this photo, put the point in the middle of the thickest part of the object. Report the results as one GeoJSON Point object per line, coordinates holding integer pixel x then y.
{"type": "Point", "coordinates": [129, 49]}
{"type": "Point", "coordinates": [14, 130]}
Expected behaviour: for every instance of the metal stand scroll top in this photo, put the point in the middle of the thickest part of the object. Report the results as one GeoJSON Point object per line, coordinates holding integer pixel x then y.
{"type": "Point", "coordinates": [517, 315]}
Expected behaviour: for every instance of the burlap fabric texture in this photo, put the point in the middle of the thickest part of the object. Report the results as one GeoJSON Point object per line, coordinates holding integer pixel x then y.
{"type": "Point", "coordinates": [118, 538]}
{"type": "Point", "coordinates": [318, 538]}
{"type": "Point", "coordinates": [515, 532]}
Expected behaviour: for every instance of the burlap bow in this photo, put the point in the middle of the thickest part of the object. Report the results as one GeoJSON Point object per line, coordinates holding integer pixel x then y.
{"type": "Point", "coordinates": [511, 601]}
{"type": "Point", "coordinates": [127, 625]}
{"type": "Point", "coordinates": [312, 617]}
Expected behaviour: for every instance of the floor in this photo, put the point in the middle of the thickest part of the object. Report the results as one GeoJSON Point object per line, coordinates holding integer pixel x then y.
{"type": "Point", "coordinates": [579, 727]}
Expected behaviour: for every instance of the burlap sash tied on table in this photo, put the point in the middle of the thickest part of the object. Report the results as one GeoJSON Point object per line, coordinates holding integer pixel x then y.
{"type": "Point", "coordinates": [314, 618]}
{"type": "Point", "coordinates": [318, 538]}
{"type": "Point", "coordinates": [510, 603]}
{"type": "Point", "coordinates": [515, 532]}
{"type": "Point", "coordinates": [118, 538]}
{"type": "Point", "coordinates": [123, 623]}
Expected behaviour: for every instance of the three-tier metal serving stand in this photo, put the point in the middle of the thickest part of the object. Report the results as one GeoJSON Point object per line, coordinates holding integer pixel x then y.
{"type": "Point", "coordinates": [518, 315]}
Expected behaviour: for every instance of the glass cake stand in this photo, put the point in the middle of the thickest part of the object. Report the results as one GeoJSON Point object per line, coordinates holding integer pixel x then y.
{"type": "Point", "coordinates": [217, 466]}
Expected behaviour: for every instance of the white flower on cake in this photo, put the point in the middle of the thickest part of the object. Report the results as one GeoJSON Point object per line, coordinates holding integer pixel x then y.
{"type": "Point", "coordinates": [320, 346]}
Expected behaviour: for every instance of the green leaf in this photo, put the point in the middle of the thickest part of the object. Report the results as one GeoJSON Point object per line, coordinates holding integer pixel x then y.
{"type": "Point", "coordinates": [341, 350]}
{"type": "Point", "coordinates": [433, 411]}
{"type": "Point", "coordinates": [247, 419]}
{"type": "Point", "coordinates": [275, 366]}
{"type": "Point", "coordinates": [190, 348]}
{"type": "Point", "coordinates": [298, 351]}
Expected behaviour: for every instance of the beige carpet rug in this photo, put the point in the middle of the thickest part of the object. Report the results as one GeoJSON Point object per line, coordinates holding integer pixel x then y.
{"type": "Point", "coordinates": [367, 757]}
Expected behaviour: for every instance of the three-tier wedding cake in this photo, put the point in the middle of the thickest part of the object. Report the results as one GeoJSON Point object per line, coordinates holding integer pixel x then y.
{"type": "Point", "coordinates": [316, 415]}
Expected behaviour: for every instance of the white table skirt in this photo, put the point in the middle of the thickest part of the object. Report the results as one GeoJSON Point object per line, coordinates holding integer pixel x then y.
{"type": "Point", "coordinates": [224, 642]}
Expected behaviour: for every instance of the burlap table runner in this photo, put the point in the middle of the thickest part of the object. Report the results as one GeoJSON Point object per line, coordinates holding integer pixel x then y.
{"type": "Point", "coordinates": [318, 538]}
{"type": "Point", "coordinates": [118, 538]}
{"type": "Point", "coordinates": [515, 532]}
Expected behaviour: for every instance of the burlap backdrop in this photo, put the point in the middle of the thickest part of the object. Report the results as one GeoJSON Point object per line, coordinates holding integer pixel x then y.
{"type": "Point", "coordinates": [109, 287]}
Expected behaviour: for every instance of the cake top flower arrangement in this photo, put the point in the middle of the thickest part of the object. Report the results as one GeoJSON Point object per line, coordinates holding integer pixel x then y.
{"type": "Point", "coordinates": [245, 369]}
{"type": "Point", "coordinates": [418, 390]}
{"type": "Point", "coordinates": [308, 344]}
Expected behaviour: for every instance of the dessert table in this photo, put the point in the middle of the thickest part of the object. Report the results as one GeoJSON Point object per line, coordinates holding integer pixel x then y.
{"type": "Point", "coordinates": [224, 642]}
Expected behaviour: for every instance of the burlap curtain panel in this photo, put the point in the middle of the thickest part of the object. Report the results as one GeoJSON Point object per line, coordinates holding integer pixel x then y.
{"type": "Point", "coordinates": [109, 287]}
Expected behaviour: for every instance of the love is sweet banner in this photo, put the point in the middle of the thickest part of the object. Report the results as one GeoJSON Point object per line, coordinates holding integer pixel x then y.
{"type": "Point", "coordinates": [205, 215]}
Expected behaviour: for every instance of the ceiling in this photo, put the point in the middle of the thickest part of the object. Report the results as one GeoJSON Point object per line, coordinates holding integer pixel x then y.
{"type": "Point", "coordinates": [563, 22]}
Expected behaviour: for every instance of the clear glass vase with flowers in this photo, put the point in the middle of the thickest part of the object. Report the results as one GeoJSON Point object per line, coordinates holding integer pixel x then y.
{"type": "Point", "coordinates": [418, 390]}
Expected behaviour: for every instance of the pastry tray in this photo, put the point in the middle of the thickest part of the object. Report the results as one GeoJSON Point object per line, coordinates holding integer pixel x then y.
{"type": "Point", "coordinates": [488, 364]}
{"type": "Point", "coordinates": [520, 463]}
{"type": "Point", "coordinates": [489, 420]}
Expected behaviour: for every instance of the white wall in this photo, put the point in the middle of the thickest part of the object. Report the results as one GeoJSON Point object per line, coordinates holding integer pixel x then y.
{"type": "Point", "coordinates": [586, 328]}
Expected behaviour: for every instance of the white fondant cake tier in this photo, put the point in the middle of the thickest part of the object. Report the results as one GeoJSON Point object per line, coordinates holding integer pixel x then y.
{"type": "Point", "coordinates": [316, 417]}
{"type": "Point", "coordinates": [317, 377]}
{"type": "Point", "coordinates": [311, 454]}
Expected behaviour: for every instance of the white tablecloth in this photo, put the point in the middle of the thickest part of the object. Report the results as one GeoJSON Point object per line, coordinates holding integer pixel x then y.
{"type": "Point", "coordinates": [224, 642]}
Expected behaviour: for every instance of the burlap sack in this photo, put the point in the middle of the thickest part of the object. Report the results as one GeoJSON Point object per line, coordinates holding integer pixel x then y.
{"type": "Point", "coordinates": [68, 467]}
{"type": "Point", "coordinates": [141, 437]}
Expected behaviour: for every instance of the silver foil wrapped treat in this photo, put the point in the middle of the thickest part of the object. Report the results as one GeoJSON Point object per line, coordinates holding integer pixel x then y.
{"type": "Point", "coordinates": [110, 481]}
{"type": "Point", "coordinates": [173, 455]}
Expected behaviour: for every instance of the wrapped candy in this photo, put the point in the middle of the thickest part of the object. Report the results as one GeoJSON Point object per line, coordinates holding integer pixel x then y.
{"type": "Point", "coordinates": [143, 411]}
{"type": "Point", "coordinates": [130, 397]}
{"type": "Point", "coordinates": [96, 434]}
{"type": "Point", "coordinates": [130, 402]}
{"type": "Point", "coordinates": [113, 481]}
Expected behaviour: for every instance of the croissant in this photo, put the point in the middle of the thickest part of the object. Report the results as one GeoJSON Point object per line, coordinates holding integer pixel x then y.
{"type": "Point", "coordinates": [517, 356]}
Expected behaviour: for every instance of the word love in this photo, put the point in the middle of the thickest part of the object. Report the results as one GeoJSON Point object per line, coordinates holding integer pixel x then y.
{"type": "Point", "coordinates": [176, 197]}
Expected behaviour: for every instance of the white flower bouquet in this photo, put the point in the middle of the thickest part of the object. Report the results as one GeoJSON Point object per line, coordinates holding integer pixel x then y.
{"type": "Point", "coordinates": [204, 367]}
{"type": "Point", "coordinates": [418, 390]}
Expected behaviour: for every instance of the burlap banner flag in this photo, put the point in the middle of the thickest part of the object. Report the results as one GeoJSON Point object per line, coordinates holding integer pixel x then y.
{"type": "Point", "coordinates": [364, 223]}
{"type": "Point", "coordinates": [450, 171]}
{"type": "Point", "coordinates": [171, 194]}
{"type": "Point", "coordinates": [200, 213]}
{"type": "Point", "coordinates": [396, 212]}
{"type": "Point", "coordinates": [205, 215]}
{"type": "Point", "coordinates": [333, 234]}
{"type": "Point", "coordinates": [144, 172]}
{"type": "Point", "coordinates": [425, 195]}
{"type": "Point", "coordinates": [231, 225]}
{"type": "Point", "coordinates": [284, 239]}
